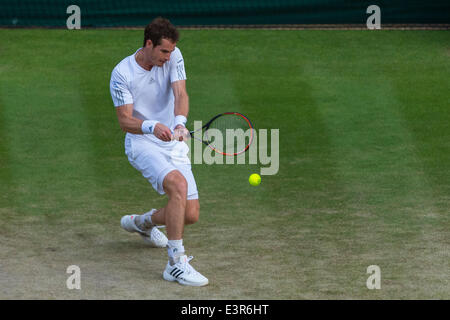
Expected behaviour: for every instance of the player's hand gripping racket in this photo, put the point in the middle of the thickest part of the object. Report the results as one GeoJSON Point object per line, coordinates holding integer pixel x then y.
{"type": "Point", "coordinates": [229, 133]}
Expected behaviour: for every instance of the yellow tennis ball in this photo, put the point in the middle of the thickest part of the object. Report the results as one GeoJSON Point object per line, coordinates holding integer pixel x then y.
{"type": "Point", "coordinates": [254, 179]}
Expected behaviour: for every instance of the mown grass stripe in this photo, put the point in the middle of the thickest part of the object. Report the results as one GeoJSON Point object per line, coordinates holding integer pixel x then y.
{"type": "Point", "coordinates": [387, 193]}
{"type": "Point", "coordinates": [46, 130]}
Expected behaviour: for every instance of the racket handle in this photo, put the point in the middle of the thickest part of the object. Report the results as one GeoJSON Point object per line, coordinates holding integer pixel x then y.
{"type": "Point", "coordinates": [181, 134]}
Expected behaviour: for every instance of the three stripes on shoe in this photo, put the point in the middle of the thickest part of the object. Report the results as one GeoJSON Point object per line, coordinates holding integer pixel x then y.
{"type": "Point", "coordinates": [176, 272]}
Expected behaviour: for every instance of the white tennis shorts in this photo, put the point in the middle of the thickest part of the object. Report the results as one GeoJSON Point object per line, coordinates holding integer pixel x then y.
{"type": "Point", "coordinates": [155, 159]}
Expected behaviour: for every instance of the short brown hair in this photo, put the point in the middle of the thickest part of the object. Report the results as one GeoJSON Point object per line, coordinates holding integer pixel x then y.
{"type": "Point", "coordinates": [158, 29]}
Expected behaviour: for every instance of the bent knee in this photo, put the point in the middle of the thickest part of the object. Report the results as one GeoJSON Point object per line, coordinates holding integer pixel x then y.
{"type": "Point", "coordinates": [175, 185]}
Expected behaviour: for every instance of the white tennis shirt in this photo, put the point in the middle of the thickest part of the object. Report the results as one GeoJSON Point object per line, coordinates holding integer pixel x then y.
{"type": "Point", "coordinates": [150, 92]}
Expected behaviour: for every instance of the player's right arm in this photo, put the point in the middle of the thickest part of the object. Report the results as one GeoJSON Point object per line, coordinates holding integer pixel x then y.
{"type": "Point", "coordinates": [123, 101]}
{"type": "Point", "coordinates": [128, 123]}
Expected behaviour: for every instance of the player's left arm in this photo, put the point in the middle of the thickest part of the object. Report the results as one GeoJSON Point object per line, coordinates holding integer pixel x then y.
{"type": "Point", "coordinates": [178, 83]}
{"type": "Point", "coordinates": [181, 99]}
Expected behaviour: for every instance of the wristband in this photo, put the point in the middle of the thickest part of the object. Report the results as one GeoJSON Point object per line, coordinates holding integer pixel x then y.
{"type": "Point", "coordinates": [148, 126]}
{"type": "Point", "coordinates": [180, 119]}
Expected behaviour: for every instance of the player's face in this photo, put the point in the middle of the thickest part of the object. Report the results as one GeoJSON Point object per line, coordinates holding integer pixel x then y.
{"type": "Point", "coordinates": [161, 53]}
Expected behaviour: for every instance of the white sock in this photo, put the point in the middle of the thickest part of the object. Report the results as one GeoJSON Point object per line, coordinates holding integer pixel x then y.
{"type": "Point", "coordinates": [175, 250]}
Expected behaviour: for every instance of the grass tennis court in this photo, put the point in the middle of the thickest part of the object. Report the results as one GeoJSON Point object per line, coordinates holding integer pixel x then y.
{"type": "Point", "coordinates": [364, 173]}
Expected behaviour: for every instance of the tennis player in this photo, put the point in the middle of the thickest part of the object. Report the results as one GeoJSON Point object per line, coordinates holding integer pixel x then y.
{"type": "Point", "coordinates": [148, 89]}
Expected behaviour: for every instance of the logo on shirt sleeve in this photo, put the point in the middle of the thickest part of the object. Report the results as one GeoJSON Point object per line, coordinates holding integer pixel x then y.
{"type": "Point", "coordinates": [180, 72]}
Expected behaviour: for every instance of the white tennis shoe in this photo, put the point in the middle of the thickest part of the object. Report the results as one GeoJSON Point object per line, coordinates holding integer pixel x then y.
{"type": "Point", "coordinates": [184, 273]}
{"type": "Point", "coordinates": [152, 237]}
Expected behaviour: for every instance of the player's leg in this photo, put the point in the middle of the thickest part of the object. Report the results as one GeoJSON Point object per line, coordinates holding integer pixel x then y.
{"type": "Point", "coordinates": [175, 186]}
{"type": "Point", "coordinates": [174, 178]}
{"type": "Point", "coordinates": [191, 214]}
{"type": "Point", "coordinates": [192, 211]}
{"type": "Point", "coordinates": [192, 204]}
{"type": "Point", "coordinates": [176, 215]}
{"type": "Point", "coordinates": [149, 159]}
{"type": "Point", "coordinates": [173, 216]}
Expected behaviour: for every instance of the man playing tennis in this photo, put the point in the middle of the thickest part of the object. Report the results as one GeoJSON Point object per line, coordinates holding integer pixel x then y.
{"type": "Point", "coordinates": [148, 89]}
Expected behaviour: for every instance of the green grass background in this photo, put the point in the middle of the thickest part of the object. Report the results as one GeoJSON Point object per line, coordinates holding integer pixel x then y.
{"type": "Point", "coordinates": [364, 174]}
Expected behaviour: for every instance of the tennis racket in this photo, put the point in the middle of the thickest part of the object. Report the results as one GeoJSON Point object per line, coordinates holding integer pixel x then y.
{"type": "Point", "coordinates": [229, 133]}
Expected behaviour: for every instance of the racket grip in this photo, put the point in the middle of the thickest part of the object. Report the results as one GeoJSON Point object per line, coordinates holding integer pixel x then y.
{"type": "Point", "coordinates": [181, 134]}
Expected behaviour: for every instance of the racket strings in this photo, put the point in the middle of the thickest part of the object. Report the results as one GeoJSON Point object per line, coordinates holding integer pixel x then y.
{"type": "Point", "coordinates": [230, 133]}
